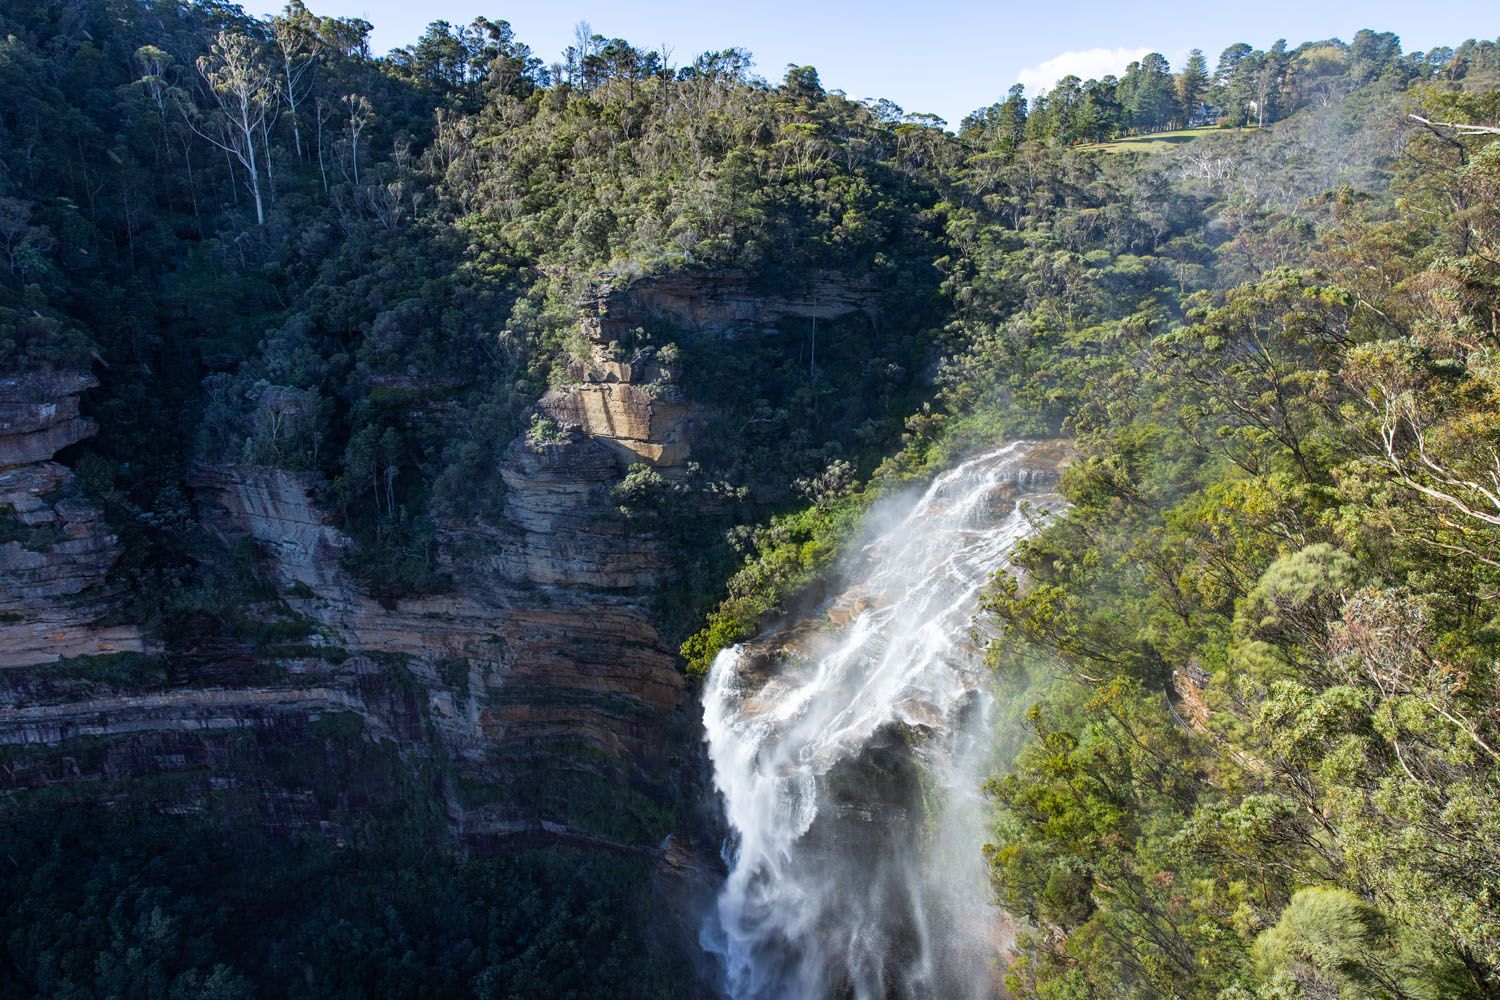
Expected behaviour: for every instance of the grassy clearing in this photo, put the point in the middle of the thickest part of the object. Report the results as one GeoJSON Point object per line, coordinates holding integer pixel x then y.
{"type": "Point", "coordinates": [1156, 142]}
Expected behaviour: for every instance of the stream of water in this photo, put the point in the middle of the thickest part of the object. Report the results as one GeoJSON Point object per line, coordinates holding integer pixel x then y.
{"type": "Point", "coordinates": [850, 749]}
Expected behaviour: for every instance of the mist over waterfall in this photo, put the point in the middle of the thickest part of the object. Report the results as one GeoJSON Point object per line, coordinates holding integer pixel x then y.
{"type": "Point", "coordinates": [850, 748]}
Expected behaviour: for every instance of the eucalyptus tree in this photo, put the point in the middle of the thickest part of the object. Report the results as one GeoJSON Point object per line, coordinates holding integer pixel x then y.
{"type": "Point", "coordinates": [246, 98]}
{"type": "Point", "coordinates": [298, 45]}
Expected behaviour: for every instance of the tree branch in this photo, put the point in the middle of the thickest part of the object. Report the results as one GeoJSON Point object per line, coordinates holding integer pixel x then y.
{"type": "Point", "coordinates": [1458, 127]}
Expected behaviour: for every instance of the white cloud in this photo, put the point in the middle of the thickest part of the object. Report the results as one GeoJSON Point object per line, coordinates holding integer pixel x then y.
{"type": "Point", "coordinates": [1086, 64]}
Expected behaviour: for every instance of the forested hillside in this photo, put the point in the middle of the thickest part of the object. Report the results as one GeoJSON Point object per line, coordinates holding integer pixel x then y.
{"type": "Point", "coordinates": [613, 352]}
{"type": "Point", "coordinates": [1256, 659]}
{"type": "Point", "coordinates": [1264, 637]}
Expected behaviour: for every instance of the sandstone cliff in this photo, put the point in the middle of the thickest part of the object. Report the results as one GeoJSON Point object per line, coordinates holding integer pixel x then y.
{"type": "Point", "coordinates": [55, 551]}
{"type": "Point", "coordinates": [629, 400]}
{"type": "Point", "coordinates": [537, 694]}
{"type": "Point", "coordinates": [725, 303]}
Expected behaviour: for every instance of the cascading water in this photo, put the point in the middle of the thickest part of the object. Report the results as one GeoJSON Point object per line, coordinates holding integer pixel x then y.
{"type": "Point", "coordinates": [850, 751]}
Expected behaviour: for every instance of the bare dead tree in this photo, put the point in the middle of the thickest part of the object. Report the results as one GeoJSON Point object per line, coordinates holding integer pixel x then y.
{"type": "Point", "coordinates": [1458, 127]}
{"type": "Point", "coordinates": [1475, 498]}
{"type": "Point", "coordinates": [360, 116]}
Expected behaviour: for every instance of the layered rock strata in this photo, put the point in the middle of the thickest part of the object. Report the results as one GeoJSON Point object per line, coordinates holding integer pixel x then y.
{"type": "Point", "coordinates": [55, 550]}
{"type": "Point", "coordinates": [539, 687]}
{"type": "Point", "coordinates": [628, 399]}
{"type": "Point", "coordinates": [725, 303]}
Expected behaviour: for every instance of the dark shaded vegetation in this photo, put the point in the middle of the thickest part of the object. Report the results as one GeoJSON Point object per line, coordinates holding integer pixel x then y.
{"type": "Point", "coordinates": [133, 903]}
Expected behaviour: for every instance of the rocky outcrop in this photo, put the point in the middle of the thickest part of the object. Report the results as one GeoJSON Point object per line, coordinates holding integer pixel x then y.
{"type": "Point", "coordinates": [635, 418]}
{"type": "Point", "coordinates": [55, 550]}
{"type": "Point", "coordinates": [1187, 696]}
{"type": "Point", "coordinates": [632, 409]}
{"type": "Point", "coordinates": [628, 399]}
{"type": "Point", "coordinates": [725, 303]}
{"type": "Point", "coordinates": [166, 711]}
{"type": "Point", "coordinates": [39, 415]}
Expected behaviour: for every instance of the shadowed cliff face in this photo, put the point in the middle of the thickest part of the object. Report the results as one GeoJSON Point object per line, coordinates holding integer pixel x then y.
{"type": "Point", "coordinates": [725, 303]}
{"type": "Point", "coordinates": [534, 702]}
{"type": "Point", "coordinates": [55, 551]}
{"type": "Point", "coordinates": [540, 676]}
{"type": "Point", "coordinates": [538, 689]}
{"type": "Point", "coordinates": [635, 407]}
{"type": "Point", "coordinates": [543, 649]}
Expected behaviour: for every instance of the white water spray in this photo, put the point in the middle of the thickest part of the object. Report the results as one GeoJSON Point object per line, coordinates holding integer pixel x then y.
{"type": "Point", "coordinates": [849, 752]}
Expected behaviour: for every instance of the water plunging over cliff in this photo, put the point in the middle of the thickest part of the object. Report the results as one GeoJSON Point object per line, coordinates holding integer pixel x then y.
{"type": "Point", "coordinates": [850, 751]}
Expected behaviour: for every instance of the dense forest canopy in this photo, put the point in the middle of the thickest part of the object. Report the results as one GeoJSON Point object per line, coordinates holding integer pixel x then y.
{"type": "Point", "coordinates": [1253, 668]}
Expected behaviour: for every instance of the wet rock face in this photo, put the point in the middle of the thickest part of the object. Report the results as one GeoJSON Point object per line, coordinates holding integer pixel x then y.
{"type": "Point", "coordinates": [55, 550]}
{"type": "Point", "coordinates": [850, 741]}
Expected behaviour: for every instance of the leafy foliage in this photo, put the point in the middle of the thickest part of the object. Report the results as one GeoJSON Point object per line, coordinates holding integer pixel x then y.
{"type": "Point", "coordinates": [143, 905]}
{"type": "Point", "coordinates": [1263, 760]}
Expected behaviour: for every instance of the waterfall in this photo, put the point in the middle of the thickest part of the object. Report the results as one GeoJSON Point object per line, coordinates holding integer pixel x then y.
{"type": "Point", "coordinates": [849, 750]}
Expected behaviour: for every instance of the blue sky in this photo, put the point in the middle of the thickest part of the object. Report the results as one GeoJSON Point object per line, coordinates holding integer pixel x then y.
{"type": "Point", "coordinates": [941, 56]}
